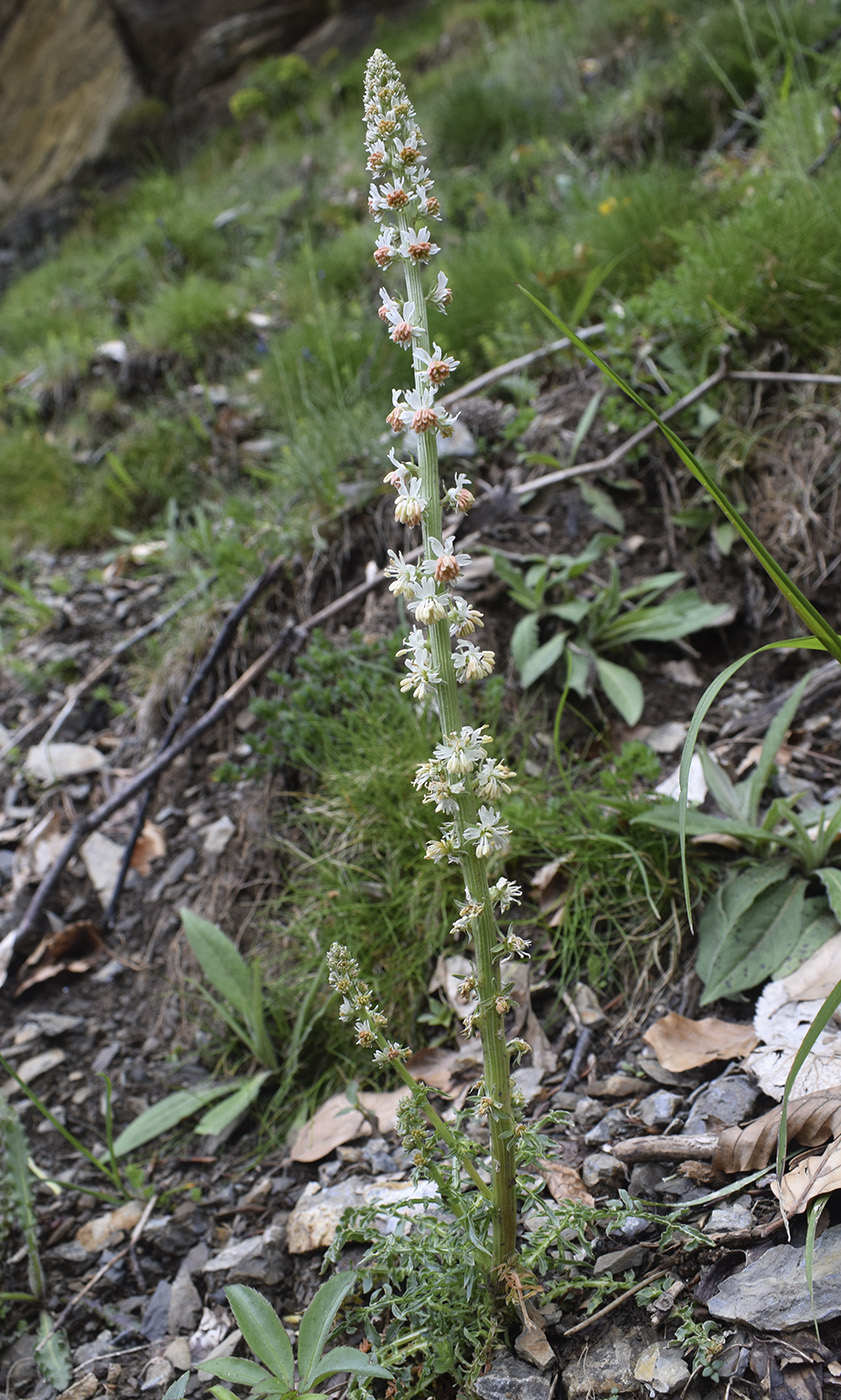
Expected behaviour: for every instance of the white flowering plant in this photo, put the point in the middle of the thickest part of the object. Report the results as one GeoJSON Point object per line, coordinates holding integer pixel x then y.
{"type": "Point", "coordinates": [462, 780]}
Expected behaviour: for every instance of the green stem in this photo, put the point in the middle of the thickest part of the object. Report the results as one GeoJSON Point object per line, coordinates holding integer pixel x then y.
{"type": "Point", "coordinates": [497, 1073]}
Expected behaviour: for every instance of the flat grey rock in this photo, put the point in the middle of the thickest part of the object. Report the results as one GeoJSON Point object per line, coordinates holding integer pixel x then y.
{"type": "Point", "coordinates": [510, 1379]}
{"type": "Point", "coordinates": [772, 1290]}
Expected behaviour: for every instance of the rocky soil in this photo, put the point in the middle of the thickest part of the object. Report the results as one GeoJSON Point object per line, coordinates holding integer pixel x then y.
{"type": "Point", "coordinates": [138, 1288]}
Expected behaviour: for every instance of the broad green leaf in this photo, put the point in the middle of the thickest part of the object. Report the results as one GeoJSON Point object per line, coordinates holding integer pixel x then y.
{"type": "Point", "coordinates": [167, 1113]}
{"type": "Point", "coordinates": [649, 587]}
{"type": "Point", "coordinates": [52, 1353]}
{"type": "Point", "coordinates": [217, 1119]}
{"type": "Point", "coordinates": [666, 622]}
{"type": "Point", "coordinates": [221, 1392]}
{"type": "Point", "coordinates": [817, 924]}
{"type": "Point", "coordinates": [666, 817]}
{"type": "Point", "coordinates": [223, 966]}
{"type": "Point", "coordinates": [542, 660]}
{"type": "Point", "coordinates": [263, 1331]}
{"type": "Point", "coordinates": [236, 1369]}
{"type": "Point", "coordinates": [178, 1389]}
{"type": "Point", "coordinates": [347, 1359]}
{"type": "Point", "coordinates": [830, 878]}
{"type": "Point", "coordinates": [622, 689]}
{"type": "Point", "coordinates": [757, 944]}
{"type": "Point", "coordinates": [729, 903]}
{"type": "Point", "coordinates": [317, 1322]}
{"type": "Point", "coordinates": [574, 611]}
{"type": "Point", "coordinates": [732, 798]}
{"type": "Point", "coordinates": [706, 700]}
{"type": "Point", "coordinates": [525, 640]}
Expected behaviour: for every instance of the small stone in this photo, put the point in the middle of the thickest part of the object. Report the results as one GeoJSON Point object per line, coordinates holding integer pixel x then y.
{"type": "Point", "coordinates": [157, 1374]}
{"type": "Point", "coordinates": [772, 1290]}
{"type": "Point", "coordinates": [178, 1354]}
{"type": "Point", "coordinates": [613, 1125]}
{"type": "Point", "coordinates": [618, 1261]}
{"type": "Point", "coordinates": [512, 1379]}
{"type": "Point", "coordinates": [662, 1368]}
{"type": "Point", "coordinates": [645, 1180]}
{"type": "Point", "coordinates": [532, 1346]}
{"type": "Point", "coordinates": [600, 1169]}
{"type": "Point", "coordinates": [216, 836]}
{"type": "Point", "coordinates": [315, 1219]}
{"type": "Point", "coordinates": [588, 1112]}
{"type": "Point", "coordinates": [605, 1368]}
{"type": "Point", "coordinates": [153, 1324]}
{"type": "Point", "coordinates": [724, 1103]}
{"type": "Point", "coordinates": [659, 1108]}
{"type": "Point", "coordinates": [725, 1219]}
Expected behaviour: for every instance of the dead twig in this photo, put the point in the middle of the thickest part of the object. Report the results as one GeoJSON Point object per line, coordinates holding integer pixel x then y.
{"type": "Point", "coordinates": [688, 1148]}
{"type": "Point", "coordinates": [614, 457]}
{"type": "Point", "coordinates": [492, 376]}
{"type": "Point", "coordinates": [97, 672]}
{"type": "Point", "coordinates": [292, 632]}
{"type": "Point", "coordinates": [223, 640]}
{"type": "Point", "coordinates": [615, 1303]}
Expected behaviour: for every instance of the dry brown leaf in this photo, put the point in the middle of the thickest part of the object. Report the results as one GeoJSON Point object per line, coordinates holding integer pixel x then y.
{"type": "Point", "coordinates": [336, 1122]}
{"type": "Point", "coordinates": [681, 1044]}
{"type": "Point", "coordinates": [434, 1067]}
{"type": "Point", "coordinates": [564, 1182]}
{"type": "Point", "coordinates": [812, 1121]}
{"type": "Point", "coordinates": [813, 1176]}
{"type": "Point", "coordinates": [94, 1234]}
{"type": "Point", "coordinates": [784, 1012]}
{"type": "Point", "coordinates": [150, 845]}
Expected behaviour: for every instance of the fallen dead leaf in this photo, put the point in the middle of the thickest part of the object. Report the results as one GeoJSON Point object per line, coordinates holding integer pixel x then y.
{"type": "Point", "coordinates": [102, 858]}
{"type": "Point", "coordinates": [337, 1122]}
{"type": "Point", "coordinates": [813, 1176]}
{"type": "Point", "coordinates": [681, 1044]}
{"type": "Point", "coordinates": [37, 851]}
{"type": "Point", "coordinates": [149, 846]}
{"type": "Point", "coordinates": [784, 1012]}
{"type": "Point", "coordinates": [564, 1183]}
{"type": "Point", "coordinates": [94, 1234]}
{"type": "Point", "coordinates": [811, 1121]}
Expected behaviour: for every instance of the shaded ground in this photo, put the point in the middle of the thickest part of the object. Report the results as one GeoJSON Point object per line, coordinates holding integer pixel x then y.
{"type": "Point", "coordinates": [122, 1008]}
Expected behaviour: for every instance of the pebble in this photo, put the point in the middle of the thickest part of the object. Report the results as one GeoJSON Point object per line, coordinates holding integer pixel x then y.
{"type": "Point", "coordinates": [600, 1169]}
{"type": "Point", "coordinates": [509, 1378]}
{"type": "Point", "coordinates": [606, 1367]}
{"type": "Point", "coordinates": [315, 1219]}
{"type": "Point", "coordinates": [724, 1103]}
{"type": "Point", "coordinates": [771, 1291]}
{"type": "Point", "coordinates": [617, 1261]}
{"type": "Point", "coordinates": [661, 1368]}
{"type": "Point", "coordinates": [659, 1108]}
{"type": "Point", "coordinates": [729, 1217]}
{"type": "Point", "coordinates": [613, 1125]}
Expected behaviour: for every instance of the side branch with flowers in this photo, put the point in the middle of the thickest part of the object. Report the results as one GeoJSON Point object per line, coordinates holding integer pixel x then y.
{"type": "Point", "coordinates": [461, 779]}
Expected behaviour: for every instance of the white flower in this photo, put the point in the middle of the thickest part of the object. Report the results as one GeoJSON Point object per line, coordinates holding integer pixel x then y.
{"type": "Point", "coordinates": [490, 780]}
{"type": "Point", "coordinates": [417, 247]}
{"type": "Point", "coordinates": [489, 834]}
{"type": "Point", "coordinates": [464, 618]}
{"type": "Point", "coordinates": [400, 319]}
{"type": "Point", "coordinates": [385, 251]}
{"type": "Point", "coordinates": [406, 576]}
{"type": "Point", "coordinates": [411, 502]}
{"type": "Point", "coordinates": [437, 366]}
{"type": "Point", "coordinates": [470, 663]}
{"type": "Point", "coordinates": [444, 565]}
{"type": "Point", "coordinates": [458, 497]}
{"type": "Point", "coordinates": [441, 294]}
{"type": "Point", "coordinates": [460, 752]}
{"type": "Point", "coordinates": [428, 604]}
{"type": "Point", "coordinates": [505, 893]}
{"type": "Point", "coordinates": [424, 417]}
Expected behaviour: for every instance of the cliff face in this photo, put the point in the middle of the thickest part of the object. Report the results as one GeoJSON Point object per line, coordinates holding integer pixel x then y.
{"type": "Point", "coordinates": [64, 78]}
{"type": "Point", "coordinates": [70, 69]}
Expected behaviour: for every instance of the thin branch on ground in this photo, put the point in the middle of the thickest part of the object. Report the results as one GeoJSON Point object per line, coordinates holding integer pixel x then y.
{"type": "Point", "coordinates": [492, 376]}
{"type": "Point", "coordinates": [613, 458]}
{"type": "Point", "coordinates": [96, 673]}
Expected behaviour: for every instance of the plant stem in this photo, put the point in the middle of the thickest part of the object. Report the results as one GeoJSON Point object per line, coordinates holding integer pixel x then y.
{"type": "Point", "coordinates": [497, 1073]}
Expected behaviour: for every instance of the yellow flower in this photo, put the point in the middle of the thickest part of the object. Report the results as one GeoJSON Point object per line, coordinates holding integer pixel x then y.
{"type": "Point", "coordinates": [608, 205]}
